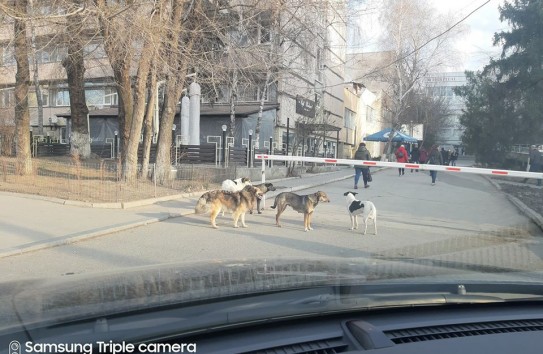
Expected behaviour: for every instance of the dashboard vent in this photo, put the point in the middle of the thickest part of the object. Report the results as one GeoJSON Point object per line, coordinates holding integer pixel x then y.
{"type": "Point", "coordinates": [325, 346]}
{"type": "Point", "coordinates": [420, 334]}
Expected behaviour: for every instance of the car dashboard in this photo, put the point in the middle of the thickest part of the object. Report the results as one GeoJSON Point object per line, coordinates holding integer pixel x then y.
{"type": "Point", "coordinates": [495, 328]}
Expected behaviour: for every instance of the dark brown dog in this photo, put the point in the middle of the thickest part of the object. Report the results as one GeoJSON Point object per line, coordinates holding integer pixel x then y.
{"type": "Point", "coordinates": [264, 188]}
{"type": "Point", "coordinates": [301, 203]}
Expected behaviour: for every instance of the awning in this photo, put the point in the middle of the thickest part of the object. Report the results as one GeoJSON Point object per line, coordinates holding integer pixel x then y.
{"type": "Point", "coordinates": [384, 136]}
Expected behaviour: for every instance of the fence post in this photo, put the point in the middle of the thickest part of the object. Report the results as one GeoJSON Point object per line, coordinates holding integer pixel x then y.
{"type": "Point", "coordinates": [250, 149]}
{"type": "Point", "coordinates": [263, 178]}
{"type": "Point", "coordinates": [154, 176]}
{"type": "Point", "coordinates": [224, 145]}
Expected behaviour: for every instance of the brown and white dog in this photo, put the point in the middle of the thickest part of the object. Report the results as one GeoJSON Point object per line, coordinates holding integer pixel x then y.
{"type": "Point", "coordinates": [238, 202]}
{"type": "Point", "coordinates": [305, 204]}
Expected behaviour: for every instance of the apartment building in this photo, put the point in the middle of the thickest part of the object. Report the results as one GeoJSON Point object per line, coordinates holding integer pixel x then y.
{"type": "Point", "coordinates": [312, 69]}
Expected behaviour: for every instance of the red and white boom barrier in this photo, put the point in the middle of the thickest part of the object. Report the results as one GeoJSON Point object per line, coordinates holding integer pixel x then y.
{"type": "Point", "coordinates": [424, 167]}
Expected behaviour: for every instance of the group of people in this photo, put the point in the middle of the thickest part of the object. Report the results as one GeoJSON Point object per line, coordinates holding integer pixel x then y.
{"type": "Point", "coordinates": [419, 156]}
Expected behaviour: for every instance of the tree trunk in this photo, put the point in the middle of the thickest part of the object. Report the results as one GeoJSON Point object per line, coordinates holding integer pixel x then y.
{"type": "Point", "coordinates": [179, 63]}
{"type": "Point", "coordinates": [261, 108]}
{"type": "Point", "coordinates": [75, 71]}
{"type": "Point", "coordinates": [22, 81]}
{"type": "Point", "coordinates": [148, 122]}
{"type": "Point", "coordinates": [131, 161]}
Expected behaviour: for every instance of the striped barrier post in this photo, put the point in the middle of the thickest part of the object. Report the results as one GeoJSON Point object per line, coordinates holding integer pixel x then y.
{"type": "Point", "coordinates": [424, 167]}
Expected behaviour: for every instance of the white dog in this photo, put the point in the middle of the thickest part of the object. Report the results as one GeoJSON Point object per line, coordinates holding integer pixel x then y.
{"type": "Point", "coordinates": [364, 208]}
{"type": "Point", "coordinates": [235, 185]}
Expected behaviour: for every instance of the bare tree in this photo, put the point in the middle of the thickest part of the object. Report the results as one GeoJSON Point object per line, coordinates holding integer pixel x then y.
{"type": "Point", "coordinates": [75, 71]}
{"type": "Point", "coordinates": [419, 42]}
{"type": "Point", "coordinates": [177, 48]}
{"type": "Point", "coordinates": [22, 79]}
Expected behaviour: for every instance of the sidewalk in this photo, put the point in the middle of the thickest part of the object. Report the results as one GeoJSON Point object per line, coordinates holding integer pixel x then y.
{"type": "Point", "coordinates": [29, 223]}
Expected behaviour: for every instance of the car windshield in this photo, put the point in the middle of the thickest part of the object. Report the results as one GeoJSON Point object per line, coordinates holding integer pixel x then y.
{"type": "Point", "coordinates": [161, 153]}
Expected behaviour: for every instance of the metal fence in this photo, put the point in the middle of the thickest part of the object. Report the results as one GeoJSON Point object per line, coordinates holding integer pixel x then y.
{"type": "Point", "coordinates": [103, 181]}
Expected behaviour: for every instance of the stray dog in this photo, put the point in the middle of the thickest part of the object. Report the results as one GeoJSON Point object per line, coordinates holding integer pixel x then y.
{"type": "Point", "coordinates": [364, 208]}
{"type": "Point", "coordinates": [237, 202]}
{"type": "Point", "coordinates": [301, 203]}
{"type": "Point", "coordinates": [264, 188]}
{"type": "Point", "coordinates": [235, 185]}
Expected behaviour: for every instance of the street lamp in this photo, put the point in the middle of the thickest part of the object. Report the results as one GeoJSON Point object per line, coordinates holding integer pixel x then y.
{"type": "Point", "coordinates": [249, 160]}
{"type": "Point", "coordinates": [224, 145]}
{"type": "Point", "coordinates": [115, 144]}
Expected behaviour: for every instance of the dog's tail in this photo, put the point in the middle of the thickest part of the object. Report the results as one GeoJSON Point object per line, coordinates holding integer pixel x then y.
{"type": "Point", "coordinates": [201, 206]}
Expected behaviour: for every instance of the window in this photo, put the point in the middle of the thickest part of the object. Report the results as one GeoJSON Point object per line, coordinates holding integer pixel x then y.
{"type": "Point", "coordinates": [7, 98]}
{"type": "Point", "coordinates": [62, 98]}
{"type": "Point", "coordinates": [349, 118]}
{"type": "Point", "coordinates": [94, 51]}
{"type": "Point", "coordinates": [33, 99]}
{"type": "Point", "coordinates": [7, 57]}
{"type": "Point", "coordinates": [101, 96]}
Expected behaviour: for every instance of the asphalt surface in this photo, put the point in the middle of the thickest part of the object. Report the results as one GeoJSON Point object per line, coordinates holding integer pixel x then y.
{"type": "Point", "coordinates": [30, 223]}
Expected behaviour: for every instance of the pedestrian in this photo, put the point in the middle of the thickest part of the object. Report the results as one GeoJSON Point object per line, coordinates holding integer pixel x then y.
{"type": "Point", "coordinates": [401, 156]}
{"type": "Point", "coordinates": [362, 154]}
{"type": "Point", "coordinates": [434, 158]}
{"type": "Point", "coordinates": [454, 157]}
{"type": "Point", "coordinates": [415, 155]}
{"type": "Point", "coordinates": [423, 155]}
{"type": "Point", "coordinates": [445, 156]}
{"type": "Point", "coordinates": [536, 162]}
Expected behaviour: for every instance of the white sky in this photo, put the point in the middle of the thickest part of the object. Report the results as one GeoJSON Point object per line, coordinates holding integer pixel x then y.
{"type": "Point", "coordinates": [475, 46]}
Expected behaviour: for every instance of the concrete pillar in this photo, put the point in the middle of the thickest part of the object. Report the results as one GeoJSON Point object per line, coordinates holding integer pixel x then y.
{"type": "Point", "coordinates": [194, 114]}
{"type": "Point", "coordinates": [185, 126]}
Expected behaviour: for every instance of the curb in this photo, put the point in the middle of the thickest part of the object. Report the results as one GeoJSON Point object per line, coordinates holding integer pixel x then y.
{"type": "Point", "coordinates": [81, 236]}
{"type": "Point", "coordinates": [530, 213]}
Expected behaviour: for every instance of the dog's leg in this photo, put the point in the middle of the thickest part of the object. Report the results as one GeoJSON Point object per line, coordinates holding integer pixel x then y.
{"type": "Point", "coordinates": [235, 216]}
{"type": "Point", "coordinates": [375, 223]}
{"type": "Point", "coordinates": [309, 216]}
{"type": "Point", "coordinates": [258, 206]}
{"type": "Point", "coordinates": [352, 221]}
{"type": "Point", "coordinates": [213, 217]}
{"type": "Point", "coordinates": [306, 217]}
{"type": "Point", "coordinates": [356, 222]}
{"type": "Point", "coordinates": [365, 225]}
{"type": "Point", "coordinates": [243, 220]}
{"type": "Point", "coordinates": [280, 210]}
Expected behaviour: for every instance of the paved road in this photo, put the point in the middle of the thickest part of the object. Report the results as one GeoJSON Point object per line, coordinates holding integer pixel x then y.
{"type": "Point", "coordinates": [462, 222]}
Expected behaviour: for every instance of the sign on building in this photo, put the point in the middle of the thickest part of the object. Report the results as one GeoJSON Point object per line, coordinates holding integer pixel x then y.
{"type": "Point", "coordinates": [305, 107]}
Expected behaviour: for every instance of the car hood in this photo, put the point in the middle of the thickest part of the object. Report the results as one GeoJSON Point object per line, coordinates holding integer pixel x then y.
{"type": "Point", "coordinates": [70, 298]}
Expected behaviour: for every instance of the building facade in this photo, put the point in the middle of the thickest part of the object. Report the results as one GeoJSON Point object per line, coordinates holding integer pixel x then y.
{"type": "Point", "coordinates": [311, 55]}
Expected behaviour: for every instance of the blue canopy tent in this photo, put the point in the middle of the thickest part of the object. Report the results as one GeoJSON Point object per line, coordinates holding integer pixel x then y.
{"type": "Point", "coordinates": [384, 136]}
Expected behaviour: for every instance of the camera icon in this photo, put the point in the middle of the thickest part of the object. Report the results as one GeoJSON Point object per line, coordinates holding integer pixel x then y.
{"type": "Point", "coordinates": [14, 347]}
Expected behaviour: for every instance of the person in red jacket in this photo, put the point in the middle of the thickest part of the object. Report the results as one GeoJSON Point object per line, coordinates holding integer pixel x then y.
{"type": "Point", "coordinates": [401, 156]}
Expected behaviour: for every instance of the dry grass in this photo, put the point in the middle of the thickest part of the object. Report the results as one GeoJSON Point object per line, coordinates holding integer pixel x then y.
{"type": "Point", "coordinates": [89, 181]}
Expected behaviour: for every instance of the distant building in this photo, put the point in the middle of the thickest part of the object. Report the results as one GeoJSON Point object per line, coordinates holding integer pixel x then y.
{"type": "Point", "coordinates": [442, 85]}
